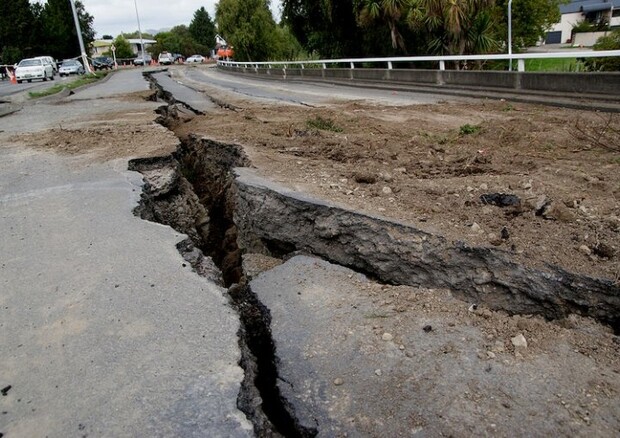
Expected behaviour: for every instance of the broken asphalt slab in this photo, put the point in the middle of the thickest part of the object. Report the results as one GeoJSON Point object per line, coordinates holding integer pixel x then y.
{"type": "Point", "coordinates": [192, 99]}
{"type": "Point", "coordinates": [105, 329]}
{"type": "Point", "coordinates": [360, 359]}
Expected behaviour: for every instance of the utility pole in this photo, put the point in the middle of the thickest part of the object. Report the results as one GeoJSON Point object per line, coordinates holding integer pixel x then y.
{"type": "Point", "coordinates": [135, 2]}
{"type": "Point", "coordinates": [510, 34]}
{"type": "Point", "coordinates": [79, 34]}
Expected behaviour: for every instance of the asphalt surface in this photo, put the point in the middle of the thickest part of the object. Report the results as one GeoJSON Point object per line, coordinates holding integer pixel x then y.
{"type": "Point", "coordinates": [196, 101]}
{"type": "Point", "coordinates": [105, 330]}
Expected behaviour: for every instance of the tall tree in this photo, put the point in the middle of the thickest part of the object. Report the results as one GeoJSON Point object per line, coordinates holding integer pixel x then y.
{"type": "Point", "coordinates": [327, 28]}
{"type": "Point", "coordinates": [123, 48]}
{"type": "Point", "coordinates": [454, 27]}
{"type": "Point", "coordinates": [248, 26]}
{"type": "Point", "coordinates": [178, 40]}
{"type": "Point", "coordinates": [59, 29]}
{"type": "Point", "coordinates": [388, 11]}
{"type": "Point", "coordinates": [531, 20]}
{"type": "Point", "coordinates": [17, 22]}
{"type": "Point", "coordinates": [202, 28]}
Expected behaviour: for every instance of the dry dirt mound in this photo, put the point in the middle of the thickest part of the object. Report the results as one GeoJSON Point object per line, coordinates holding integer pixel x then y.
{"type": "Point", "coordinates": [433, 165]}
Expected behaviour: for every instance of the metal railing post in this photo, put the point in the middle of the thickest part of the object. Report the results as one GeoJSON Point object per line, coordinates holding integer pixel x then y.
{"type": "Point", "coordinates": [442, 65]}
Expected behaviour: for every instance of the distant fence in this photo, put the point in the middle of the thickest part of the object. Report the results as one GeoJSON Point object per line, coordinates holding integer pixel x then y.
{"type": "Point", "coordinates": [605, 85]}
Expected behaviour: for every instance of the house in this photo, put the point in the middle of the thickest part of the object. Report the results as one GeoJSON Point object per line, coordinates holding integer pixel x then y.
{"type": "Point", "coordinates": [576, 11]}
{"type": "Point", "coordinates": [136, 46]}
{"type": "Point", "coordinates": [99, 47]}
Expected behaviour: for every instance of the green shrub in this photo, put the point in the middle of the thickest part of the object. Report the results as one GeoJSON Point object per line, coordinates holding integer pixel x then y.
{"type": "Point", "coordinates": [609, 42]}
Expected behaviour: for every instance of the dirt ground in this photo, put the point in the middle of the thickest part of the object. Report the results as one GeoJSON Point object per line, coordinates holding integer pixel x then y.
{"type": "Point", "coordinates": [430, 164]}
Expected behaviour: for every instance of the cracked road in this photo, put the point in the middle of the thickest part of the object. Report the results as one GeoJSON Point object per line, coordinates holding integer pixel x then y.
{"type": "Point", "coordinates": [105, 330]}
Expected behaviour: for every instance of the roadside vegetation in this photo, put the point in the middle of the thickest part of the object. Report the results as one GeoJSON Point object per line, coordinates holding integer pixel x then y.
{"type": "Point", "coordinates": [41, 28]}
{"type": "Point", "coordinates": [76, 83]}
{"type": "Point", "coordinates": [311, 29]}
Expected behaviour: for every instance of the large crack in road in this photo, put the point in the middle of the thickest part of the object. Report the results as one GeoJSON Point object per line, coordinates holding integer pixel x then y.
{"type": "Point", "coordinates": [225, 212]}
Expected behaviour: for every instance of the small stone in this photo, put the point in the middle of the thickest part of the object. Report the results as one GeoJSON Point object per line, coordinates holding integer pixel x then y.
{"type": "Point", "coordinates": [499, 347]}
{"type": "Point", "coordinates": [505, 234]}
{"type": "Point", "coordinates": [584, 249]}
{"type": "Point", "coordinates": [604, 250]}
{"type": "Point", "coordinates": [484, 187]}
{"type": "Point", "coordinates": [486, 313]}
{"type": "Point", "coordinates": [378, 372]}
{"type": "Point", "coordinates": [387, 177]}
{"type": "Point", "coordinates": [400, 170]}
{"type": "Point", "coordinates": [541, 204]}
{"type": "Point", "coordinates": [476, 228]}
{"type": "Point", "coordinates": [364, 178]}
{"type": "Point", "coordinates": [338, 381]}
{"type": "Point", "coordinates": [427, 328]}
{"type": "Point", "coordinates": [387, 337]}
{"type": "Point", "coordinates": [527, 185]}
{"type": "Point", "coordinates": [386, 190]}
{"type": "Point", "coordinates": [494, 239]}
{"type": "Point", "coordinates": [409, 354]}
{"type": "Point", "coordinates": [558, 212]}
{"type": "Point", "coordinates": [490, 355]}
{"type": "Point", "coordinates": [401, 347]}
{"type": "Point", "coordinates": [519, 341]}
{"type": "Point", "coordinates": [470, 189]}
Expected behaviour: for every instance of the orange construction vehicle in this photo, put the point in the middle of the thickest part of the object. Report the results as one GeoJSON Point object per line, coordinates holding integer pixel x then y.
{"type": "Point", "coordinates": [223, 50]}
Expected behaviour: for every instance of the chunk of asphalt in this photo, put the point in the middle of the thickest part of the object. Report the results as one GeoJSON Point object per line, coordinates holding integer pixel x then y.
{"type": "Point", "coordinates": [340, 376]}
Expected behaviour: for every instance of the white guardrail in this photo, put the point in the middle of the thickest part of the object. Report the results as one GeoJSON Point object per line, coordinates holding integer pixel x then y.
{"type": "Point", "coordinates": [441, 60]}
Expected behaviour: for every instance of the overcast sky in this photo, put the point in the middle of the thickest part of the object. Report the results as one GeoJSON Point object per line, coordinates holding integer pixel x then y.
{"type": "Point", "coordinates": [115, 16]}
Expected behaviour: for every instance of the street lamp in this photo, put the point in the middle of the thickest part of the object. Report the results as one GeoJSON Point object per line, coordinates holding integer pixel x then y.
{"type": "Point", "coordinates": [510, 35]}
{"type": "Point", "coordinates": [79, 34]}
{"type": "Point", "coordinates": [135, 2]}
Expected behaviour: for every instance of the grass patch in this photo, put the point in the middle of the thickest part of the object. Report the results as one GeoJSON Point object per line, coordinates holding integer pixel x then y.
{"type": "Point", "coordinates": [557, 64]}
{"type": "Point", "coordinates": [78, 82]}
{"type": "Point", "coordinates": [468, 129]}
{"type": "Point", "coordinates": [323, 124]}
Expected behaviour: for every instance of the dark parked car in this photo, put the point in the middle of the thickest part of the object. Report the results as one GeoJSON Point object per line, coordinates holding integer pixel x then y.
{"type": "Point", "coordinates": [103, 63]}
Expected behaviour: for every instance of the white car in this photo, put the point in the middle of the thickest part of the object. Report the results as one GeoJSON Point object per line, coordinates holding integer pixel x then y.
{"type": "Point", "coordinates": [195, 58]}
{"type": "Point", "coordinates": [49, 60]}
{"type": "Point", "coordinates": [33, 68]}
{"type": "Point", "coordinates": [165, 58]}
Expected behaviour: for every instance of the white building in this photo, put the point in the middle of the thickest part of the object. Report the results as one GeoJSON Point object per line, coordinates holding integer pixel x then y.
{"type": "Point", "coordinates": [576, 11]}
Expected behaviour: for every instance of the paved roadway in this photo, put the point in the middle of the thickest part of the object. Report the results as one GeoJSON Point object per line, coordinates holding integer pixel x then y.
{"type": "Point", "coordinates": [104, 330]}
{"type": "Point", "coordinates": [303, 93]}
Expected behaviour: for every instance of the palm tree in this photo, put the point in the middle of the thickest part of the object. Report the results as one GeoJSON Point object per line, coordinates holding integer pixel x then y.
{"type": "Point", "coordinates": [389, 11]}
{"type": "Point", "coordinates": [456, 27]}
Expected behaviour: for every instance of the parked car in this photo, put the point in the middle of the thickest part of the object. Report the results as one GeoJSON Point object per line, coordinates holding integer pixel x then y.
{"type": "Point", "coordinates": [71, 67]}
{"type": "Point", "coordinates": [177, 57]}
{"type": "Point", "coordinates": [165, 58]}
{"type": "Point", "coordinates": [139, 61]}
{"type": "Point", "coordinates": [195, 58]}
{"type": "Point", "coordinates": [49, 60]}
{"type": "Point", "coordinates": [33, 68]}
{"type": "Point", "coordinates": [103, 63]}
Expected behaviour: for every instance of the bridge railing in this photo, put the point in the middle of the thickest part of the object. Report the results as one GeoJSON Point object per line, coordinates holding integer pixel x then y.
{"type": "Point", "coordinates": [390, 63]}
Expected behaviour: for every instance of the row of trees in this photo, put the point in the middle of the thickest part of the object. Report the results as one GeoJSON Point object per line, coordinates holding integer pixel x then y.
{"type": "Point", "coordinates": [326, 28]}
{"type": "Point", "coordinates": [35, 29]}
{"type": "Point", "coordinates": [386, 27]}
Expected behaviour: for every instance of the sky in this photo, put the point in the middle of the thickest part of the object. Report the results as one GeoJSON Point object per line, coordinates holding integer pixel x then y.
{"type": "Point", "coordinates": [115, 16]}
